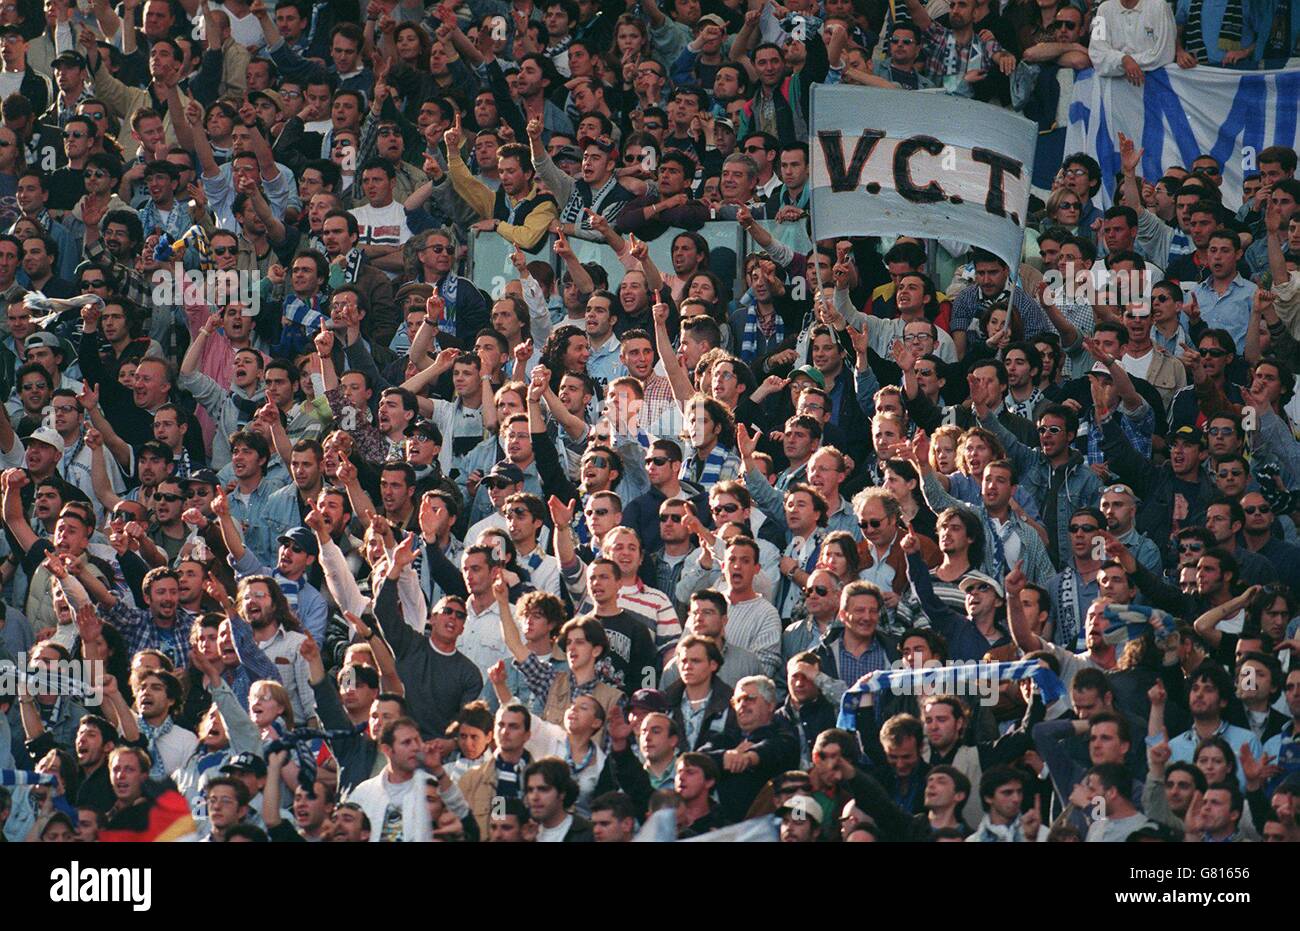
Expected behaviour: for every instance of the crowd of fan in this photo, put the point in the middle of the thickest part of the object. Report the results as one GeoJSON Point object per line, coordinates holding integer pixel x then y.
{"type": "Point", "coordinates": [307, 537]}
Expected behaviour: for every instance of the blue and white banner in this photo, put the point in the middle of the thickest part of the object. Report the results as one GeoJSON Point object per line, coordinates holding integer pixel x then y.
{"type": "Point", "coordinates": [1179, 113]}
{"type": "Point", "coordinates": [894, 162]}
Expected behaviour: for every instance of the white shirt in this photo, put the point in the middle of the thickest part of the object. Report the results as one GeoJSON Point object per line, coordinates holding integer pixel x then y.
{"type": "Point", "coordinates": [1146, 33]}
{"type": "Point", "coordinates": [1138, 366]}
{"type": "Point", "coordinates": [482, 641]}
{"type": "Point", "coordinates": [382, 226]}
{"type": "Point", "coordinates": [556, 834]}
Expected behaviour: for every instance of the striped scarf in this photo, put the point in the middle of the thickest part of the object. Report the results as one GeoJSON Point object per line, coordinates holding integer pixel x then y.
{"type": "Point", "coordinates": [154, 734]}
{"type": "Point", "coordinates": [1130, 622]}
{"type": "Point", "coordinates": [23, 777]}
{"type": "Point", "coordinates": [304, 743]}
{"type": "Point", "coordinates": [1230, 29]}
{"type": "Point", "coordinates": [1068, 622]}
{"type": "Point", "coordinates": [775, 332]}
{"type": "Point", "coordinates": [711, 473]}
{"type": "Point", "coordinates": [956, 678]}
{"type": "Point", "coordinates": [1023, 408]}
{"type": "Point", "coordinates": [289, 587]}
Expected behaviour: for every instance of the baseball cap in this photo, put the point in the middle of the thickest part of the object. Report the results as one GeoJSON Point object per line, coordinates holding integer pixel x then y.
{"type": "Point", "coordinates": [711, 18]}
{"type": "Point", "coordinates": [428, 430]}
{"type": "Point", "coordinates": [1187, 434]}
{"type": "Point", "coordinates": [567, 153]}
{"type": "Point", "coordinates": [302, 537]}
{"type": "Point", "coordinates": [43, 338]}
{"type": "Point", "coordinates": [413, 287]}
{"type": "Point", "coordinates": [246, 762]}
{"type": "Point", "coordinates": [1099, 369]}
{"type": "Point", "coordinates": [70, 58]}
{"type": "Point", "coordinates": [811, 372]}
{"type": "Point", "coordinates": [201, 476]}
{"type": "Point", "coordinates": [604, 143]}
{"type": "Point", "coordinates": [650, 700]}
{"type": "Point", "coordinates": [505, 472]}
{"type": "Point", "coordinates": [49, 436]}
{"type": "Point", "coordinates": [802, 807]}
{"type": "Point", "coordinates": [724, 121]}
{"type": "Point", "coordinates": [273, 96]}
{"type": "Point", "coordinates": [971, 578]}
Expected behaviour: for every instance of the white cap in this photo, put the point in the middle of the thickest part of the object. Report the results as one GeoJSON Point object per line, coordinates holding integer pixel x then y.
{"type": "Point", "coordinates": [48, 436]}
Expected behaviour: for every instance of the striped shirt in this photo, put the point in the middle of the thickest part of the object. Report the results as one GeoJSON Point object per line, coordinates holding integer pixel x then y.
{"type": "Point", "coordinates": [755, 626]}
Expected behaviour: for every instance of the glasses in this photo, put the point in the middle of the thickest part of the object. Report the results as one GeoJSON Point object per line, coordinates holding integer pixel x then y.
{"type": "Point", "coordinates": [725, 508]}
{"type": "Point", "coordinates": [821, 591]}
{"type": "Point", "coordinates": [1208, 169]}
{"type": "Point", "coordinates": [915, 337]}
{"type": "Point", "coordinates": [73, 134]}
{"type": "Point", "coordinates": [673, 518]}
{"type": "Point", "coordinates": [1070, 206]}
{"type": "Point", "coordinates": [95, 173]}
{"type": "Point", "coordinates": [1220, 431]}
{"type": "Point", "coordinates": [65, 408]}
{"type": "Point", "coordinates": [291, 95]}
{"type": "Point", "coordinates": [520, 512]}
{"type": "Point", "coordinates": [1257, 509]}
{"type": "Point", "coordinates": [600, 462]}
{"type": "Point", "coordinates": [1084, 528]}
{"type": "Point", "coordinates": [754, 148]}
{"type": "Point", "coordinates": [630, 157]}
{"type": "Point", "coordinates": [439, 249]}
{"type": "Point", "coordinates": [458, 613]}
{"type": "Point", "coordinates": [872, 523]}
{"type": "Point", "coordinates": [195, 491]}
{"type": "Point", "coordinates": [598, 512]}
{"type": "Point", "coordinates": [901, 40]}
{"type": "Point", "coordinates": [659, 461]}
{"type": "Point", "coordinates": [1215, 353]}
{"type": "Point", "coordinates": [1075, 172]}
{"type": "Point", "coordinates": [1050, 431]}
{"type": "Point", "coordinates": [119, 514]}
{"type": "Point", "coordinates": [1191, 547]}
{"type": "Point", "coordinates": [1231, 473]}
{"type": "Point", "coordinates": [1062, 24]}
{"type": "Point", "coordinates": [94, 283]}
{"type": "Point", "coordinates": [294, 548]}
{"type": "Point", "coordinates": [225, 250]}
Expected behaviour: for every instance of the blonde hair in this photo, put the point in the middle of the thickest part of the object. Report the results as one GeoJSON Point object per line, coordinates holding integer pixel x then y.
{"type": "Point", "coordinates": [947, 431]}
{"type": "Point", "coordinates": [278, 692]}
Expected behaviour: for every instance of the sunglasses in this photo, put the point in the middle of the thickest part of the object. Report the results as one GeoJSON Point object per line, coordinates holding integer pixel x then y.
{"type": "Point", "coordinates": [598, 512]}
{"type": "Point", "coordinates": [1231, 473]}
{"type": "Point", "coordinates": [1084, 528]}
{"type": "Point", "coordinates": [674, 518]}
{"type": "Point", "coordinates": [172, 498]}
{"type": "Point", "coordinates": [1052, 430]}
{"type": "Point", "coordinates": [520, 512]}
{"type": "Point", "coordinates": [458, 613]}
{"type": "Point", "coordinates": [901, 40]}
{"type": "Point", "coordinates": [1070, 206]}
{"type": "Point", "coordinates": [440, 249]}
{"type": "Point", "coordinates": [1208, 169]}
{"type": "Point", "coordinates": [94, 283]}
{"type": "Point", "coordinates": [821, 591]}
{"type": "Point", "coordinates": [225, 250]}
{"type": "Point", "coordinates": [1215, 353]}
{"type": "Point", "coordinates": [872, 523]}
{"type": "Point", "coordinates": [1220, 431]}
{"type": "Point", "coordinates": [123, 515]}
{"type": "Point", "coordinates": [725, 508]}
{"type": "Point", "coordinates": [659, 461]}
{"type": "Point", "coordinates": [294, 548]}
{"type": "Point", "coordinates": [1075, 172]}
{"type": "Point", "coordinates": [498, 483]}
{"type": "Point", "coordinates": [1258, 509]}
{"type": "Point", "coordinates": [600, 462]}
{"type": "Point", "coordinates": [194, 491]}
{"type": "Point", "coordinates": [95, 173]}
{"type": "Point", "coordinates": [1191, 547]}
{"type": "Point", "coordinates": [754, 148]}
{"type": "Point", "coordinates": [72, 134]}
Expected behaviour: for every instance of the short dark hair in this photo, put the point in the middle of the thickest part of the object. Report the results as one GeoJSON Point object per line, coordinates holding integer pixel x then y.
{"type": "Point", "coordinates": [555, 773]}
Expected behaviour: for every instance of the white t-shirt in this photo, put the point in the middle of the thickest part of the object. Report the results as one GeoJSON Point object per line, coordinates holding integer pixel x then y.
{"type": "Point", "coordinates": [1138, 366]}
{"type": "Point", "coordinates": [556, 834]}
{"type": "Point", "coordinates": [10, 82]}
{"type": "Point", "coordinates": [382, 226]}
{"type": "Point", "coordinates": [245, 30]}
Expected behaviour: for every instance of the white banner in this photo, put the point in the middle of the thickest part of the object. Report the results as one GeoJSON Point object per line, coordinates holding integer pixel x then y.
{"type": "Point", "coordinates": [1180, 113]}
{"type": "Point", "coordinates": [894, 162]}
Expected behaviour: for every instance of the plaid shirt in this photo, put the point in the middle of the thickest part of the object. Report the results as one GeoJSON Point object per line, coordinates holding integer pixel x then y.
{"type": "Point", "coordinates": [133, 284]}
{"type": "Point", "coordinates": [944, 56]}
{"type": "Point", "coordinates": [540, 673]}
{"type": "Point", "coordinates": [141, 633]}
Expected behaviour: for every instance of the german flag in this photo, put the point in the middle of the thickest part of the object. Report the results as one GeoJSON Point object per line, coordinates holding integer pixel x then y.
{"type": "Point", "coordinates": [163, 815]}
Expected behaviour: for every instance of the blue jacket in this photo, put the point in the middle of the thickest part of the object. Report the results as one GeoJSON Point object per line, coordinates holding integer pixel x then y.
{"type": "Point", "coordinates": [1082, 487]}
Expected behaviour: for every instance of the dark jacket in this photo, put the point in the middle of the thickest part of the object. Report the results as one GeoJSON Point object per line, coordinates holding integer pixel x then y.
{"type": "Point", "coordinates": [719, 718]}
{"type": "Point", "coordinates": [777, 747]}
{"type": "Point", "coordinates": [356, 754]}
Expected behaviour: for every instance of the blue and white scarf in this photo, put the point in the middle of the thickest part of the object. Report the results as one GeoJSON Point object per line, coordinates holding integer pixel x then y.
{"type": "Point", "coordinates": [289, 587]}
{"type": "Point", "coordinates": [960, 675]}
{"type": "Point", "coordinates": [749, 341]}
{"type": "Point", "coordinates": [154, 734]}
{"type": "Point", "coordinates": [1130, 622]}
{"type": "Point", "coordinates": [712, 471]}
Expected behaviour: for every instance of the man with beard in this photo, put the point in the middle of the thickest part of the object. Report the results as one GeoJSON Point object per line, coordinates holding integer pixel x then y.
{"type": "Point", "coordinates": [597, 189]}
{"type": "Point", "coordinates": [157, 701]}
